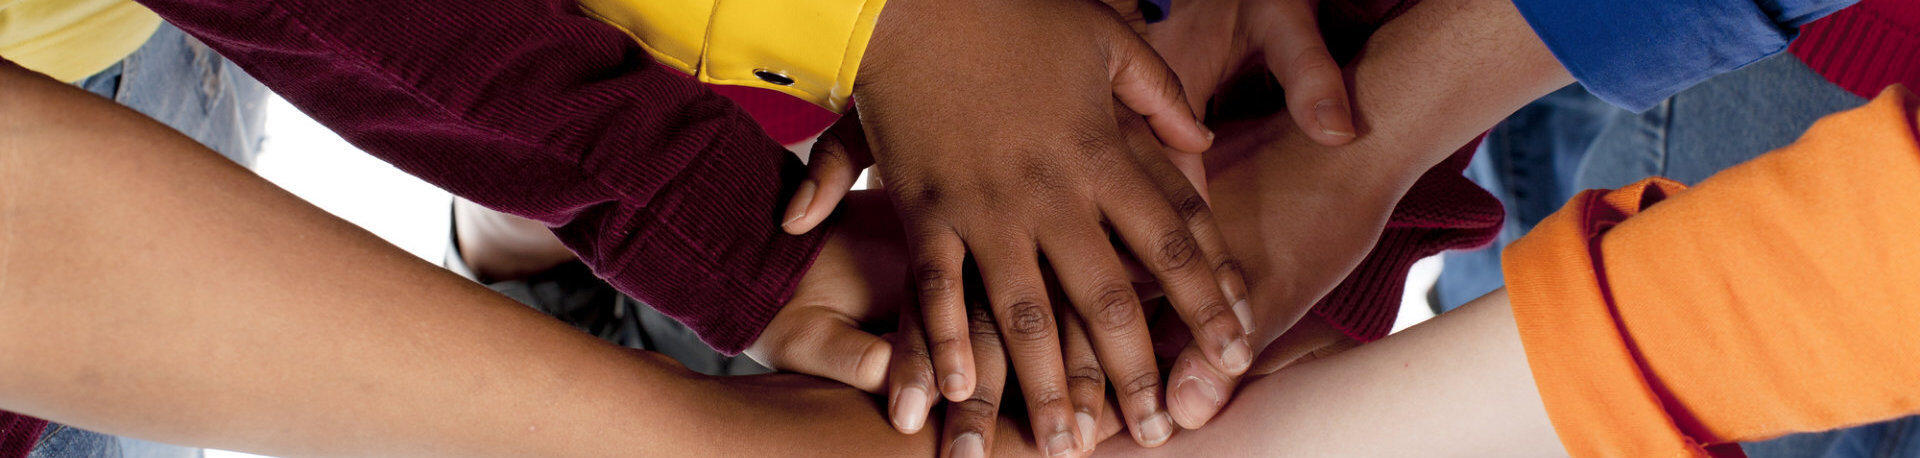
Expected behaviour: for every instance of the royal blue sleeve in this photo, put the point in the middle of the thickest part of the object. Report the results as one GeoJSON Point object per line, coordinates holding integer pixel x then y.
{"type": "Point", "coordinates": [1635, 53]}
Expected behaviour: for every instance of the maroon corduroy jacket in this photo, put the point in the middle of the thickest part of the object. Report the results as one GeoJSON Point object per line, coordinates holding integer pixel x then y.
{"type": "Point", "coordinates": [666, 189]}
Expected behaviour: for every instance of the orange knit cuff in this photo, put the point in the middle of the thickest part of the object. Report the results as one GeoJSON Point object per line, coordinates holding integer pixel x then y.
{"type": "Point", "coordinates": [1771, 299]}
{"type": "Point", "coordinates": [1588, 378]}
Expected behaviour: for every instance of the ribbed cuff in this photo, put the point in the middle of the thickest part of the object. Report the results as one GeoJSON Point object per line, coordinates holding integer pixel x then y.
{"type": "Point", "coordinates": [1589, 379]}
{"type": "Point", "coordinates": [1442, 211]}
{"type": "Point", "coordinates": [1866, 47]}
{"type": "Point", "coordinates": [18, 434]}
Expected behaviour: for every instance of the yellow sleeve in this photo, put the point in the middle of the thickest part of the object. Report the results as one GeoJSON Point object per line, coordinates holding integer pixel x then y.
{"type": "Point", "coordinates": [70, 40]}
{"type": "Point", "coordinates": [810, 49]}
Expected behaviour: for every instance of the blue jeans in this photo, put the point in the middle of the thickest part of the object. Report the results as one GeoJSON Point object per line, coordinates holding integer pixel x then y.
{"type": "Point", "coordinates": [1528, 162]}
{"type": "Point", "coordinates": [180, 82]}
{"type": "Point", "coordinates": [1719, 124]}
{"type": "Point", "coordinates": [184, 84]}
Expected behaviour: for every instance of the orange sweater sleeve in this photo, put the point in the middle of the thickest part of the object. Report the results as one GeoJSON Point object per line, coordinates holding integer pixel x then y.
{"type": "Point", "coordinates": [1779, 296]}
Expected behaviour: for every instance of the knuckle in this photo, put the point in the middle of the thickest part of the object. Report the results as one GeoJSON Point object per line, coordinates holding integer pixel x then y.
{"type": "Point", "coordinates": [1311, 62]}
{"type": "Point", "coordinates": [1041, 175]}
{"type": "Point", "coordinates": [1093, 143]}
{"type": "Point", "coordinates": [917, 194]}
{"type": "Point", "coordinates": [829, 151]}
{"type": "Point", "coordinates": [945, 342]}
{"type": "Point", "coordinates": [979, 317]}
{"type": "Point", "coordinates": [1230, 267]}
{"type": "Point", "coordinates": [929, 195]}
{"type": "Point", "coordinates": [1088, 376]}
{"type": "Point", "coordinates": [1028, 321]}
{"type": "Point", "coordinates": [814, 333]}
{"type": "Point", "coordinates": [1116, 308]}
{"type": "Point", "coordinates": [916, 353]}
{"type": "Point", "coordinates": [934, 279]}
{"type": "Point", "coordinates": [987, 188]}
{"type": "Point", "coordinates": [1176, 249]}
{"type": "Point", "coordinates": [1192, 209]}
{"type": "Point", "coordinates": [981, 327]}
{"type": "Point", "coordinates": [1048, 398]}
{"type": "Point", "coordinates": [1145, 384]}
{"type": "Point", "coordinates": [973, 413]}
{"type": "Point", "coordinates": [1213, 313]}
{"type": "Point", "coordinates": [984, 335]}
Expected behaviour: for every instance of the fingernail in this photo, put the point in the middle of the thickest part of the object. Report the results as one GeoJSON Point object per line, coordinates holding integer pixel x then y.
{"type": "Point", "coordinates": [969, 445]}
{"type": "Point", "coordinates": [910, 410]}
{"type": "Point", "coordinates": [1206, 131]}
{"type": "Point", "coordinates": [1334, 118]}
{"type": "Point", "coordinates": [1244, 312]}
{"type": "Point", "coordinates": [955, 387]}
{"type": "Point", "coordinates": [1195, 400]}
{"type": "Point", "coordinates": [1238, 356]}
{"type": "Point", "coordinates": [804, 196]}
{"type": "Point", "coordinates": [1088, 428]}
{"type": "Point", "coordinates": [1154, 430]}
{"type": "Point", "coordinates": [1061, 444]}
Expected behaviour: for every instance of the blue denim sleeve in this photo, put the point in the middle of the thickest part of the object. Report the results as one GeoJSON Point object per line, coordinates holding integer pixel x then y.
{"type": "Point", "coordinates": [1635, 53]}
{"type": "Point", "coordinates": [1155, 10]}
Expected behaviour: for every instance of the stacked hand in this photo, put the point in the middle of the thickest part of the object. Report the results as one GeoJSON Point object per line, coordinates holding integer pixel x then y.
{"type": "Point", "coordinates": [992, 124]}
{"type": "Point", "coordinates": [995, 131]}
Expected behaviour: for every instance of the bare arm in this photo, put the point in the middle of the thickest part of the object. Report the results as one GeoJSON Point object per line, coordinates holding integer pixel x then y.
{"type": "Point", "coordinates": [1457, 385]}
{"type": "Point", "coordinates": [1425, 84]}
{"type": "Point", "coordinates": [1301, 215]}
{"type": "Point", "coordinates": [149, 288]}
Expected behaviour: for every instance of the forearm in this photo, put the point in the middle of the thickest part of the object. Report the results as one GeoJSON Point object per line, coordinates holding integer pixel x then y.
{"type": "Point", "coordinates": [1427, 83]}
{"type": "Point", "coordinates": [1676, 346]}
{"type": "Point", "coordinates": [1438, 75]}
{"type": "Point", "coordinates": [1409, 394]}
{"type": "Point", "coordinates": [150, 288]}
{"type": "Point", "coordinates": [665, 188]}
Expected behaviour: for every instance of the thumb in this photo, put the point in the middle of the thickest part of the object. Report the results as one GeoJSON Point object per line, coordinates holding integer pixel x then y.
{"type": "Point", "coordinates": [820, 342]}
{"type": "Point", "coordinates": [1316, 89]}
{"type": "Point", "coordinates": [832, 167]}
{"type": "Point", "coordinates": [1196, 390]}
{"type": "Point", "coordinates": [1144, 83]}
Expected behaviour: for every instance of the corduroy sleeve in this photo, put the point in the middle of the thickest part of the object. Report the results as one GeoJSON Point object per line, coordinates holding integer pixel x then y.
{"type": "Point", "coordinates": [1776, 297]}
{"type": "Point", "coordinates": [667, 190]}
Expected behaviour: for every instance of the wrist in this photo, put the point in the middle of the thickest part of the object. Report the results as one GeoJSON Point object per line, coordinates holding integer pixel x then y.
{"type": "Point", "coordinates": [1300, 215]}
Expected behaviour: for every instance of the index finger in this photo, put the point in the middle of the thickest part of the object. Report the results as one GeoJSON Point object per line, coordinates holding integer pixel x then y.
{"type": "Point", "coordinates": [1161, 240]}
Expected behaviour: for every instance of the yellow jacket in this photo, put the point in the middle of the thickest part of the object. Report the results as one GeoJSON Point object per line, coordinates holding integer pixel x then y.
{"type": "Point", "coordinates": [810, 49]}
{"type": "Point", "coordinates": [72, 39]}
